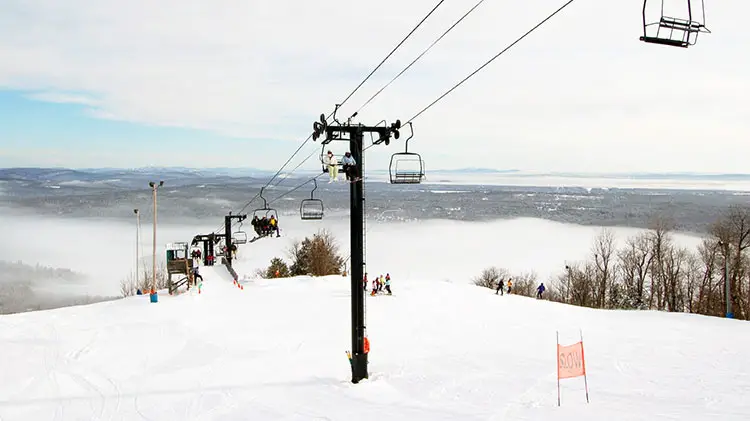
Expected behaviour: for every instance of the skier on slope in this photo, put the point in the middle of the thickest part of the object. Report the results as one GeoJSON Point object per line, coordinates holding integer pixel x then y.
{"type": "Point", "coordinates": [510, 284]}
{"type": "Point", "coordinates": [196, 275]}
{"type": "Point", "coordinates": [500, 286]}
{"type": "Point", "coordinates": [388, 284]}
{"type": "Point", "coordinates": [540, 290]}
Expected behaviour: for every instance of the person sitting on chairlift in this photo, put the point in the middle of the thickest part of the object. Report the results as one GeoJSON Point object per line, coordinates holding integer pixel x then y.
{"type": "Point", "coordinates": [333, 167]}
{"type": "Point", "coordinates": [274, 226]}
{"type": "Point", "coordinates": [350, 168]}
{"type": "Point", "coordinates": [256, 225]}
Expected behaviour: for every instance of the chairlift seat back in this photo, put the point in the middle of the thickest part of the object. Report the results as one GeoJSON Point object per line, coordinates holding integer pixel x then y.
{"type": "Point", "coordinates": [311, 209]}
{"type": "Point", "coordinates": [239, 237]}
{"type": "Point", "coordinates": [406, 168]}
{"type": "Point", "coordinates": [673, 31]}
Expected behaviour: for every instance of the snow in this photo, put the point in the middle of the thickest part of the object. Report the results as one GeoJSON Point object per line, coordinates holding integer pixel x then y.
{"type": "Point", "coordinates": [440, 350]}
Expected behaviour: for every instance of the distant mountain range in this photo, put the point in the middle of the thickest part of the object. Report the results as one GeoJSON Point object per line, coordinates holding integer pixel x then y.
{"type": "Point", "coordinates": [105, 175]}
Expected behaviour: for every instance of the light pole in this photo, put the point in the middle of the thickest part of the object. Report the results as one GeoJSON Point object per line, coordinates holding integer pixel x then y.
{"type": "Point", "coordinates": [727, 286]}
{"type": "Point", "coordinates": [137, 241]}
{"type": "Point", "coordinates": [154, 187]}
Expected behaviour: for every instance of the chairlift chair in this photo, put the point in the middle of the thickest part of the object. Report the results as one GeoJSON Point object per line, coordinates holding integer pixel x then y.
{"type": "Point", "coordinates": [674, 31]}
{"type": "Point", "coordinates": [324, 153]}
{"type": "Point", "coordinates": [265, 211]}
{"type": "Point", "coordinates": [406, 167]}
{"type": "Point", "coordinates": [311, 209]}
{"type": "Point", "coordinates": [239, 237]}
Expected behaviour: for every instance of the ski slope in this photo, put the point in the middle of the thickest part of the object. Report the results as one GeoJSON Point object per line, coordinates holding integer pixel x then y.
{"type": "Point", "coordinates": [439, 351]}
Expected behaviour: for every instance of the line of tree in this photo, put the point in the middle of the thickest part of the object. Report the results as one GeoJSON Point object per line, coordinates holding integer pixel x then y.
{"type": "Point", "coordinates": [652, 272]}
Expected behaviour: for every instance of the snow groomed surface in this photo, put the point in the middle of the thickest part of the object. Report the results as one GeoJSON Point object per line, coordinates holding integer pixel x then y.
{"type": "Point", "coordinates": [439, 351]}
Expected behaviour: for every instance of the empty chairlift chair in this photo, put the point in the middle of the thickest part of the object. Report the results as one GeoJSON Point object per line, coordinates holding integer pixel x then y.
{"type": "Point", "coordinates": [240, 236]}
{"type": "Point", "coordinates": [670, 30]}
{"type": "Point", "coordinates": [311, 209]}
{"type": "Point", "coordinates": [406, 167]}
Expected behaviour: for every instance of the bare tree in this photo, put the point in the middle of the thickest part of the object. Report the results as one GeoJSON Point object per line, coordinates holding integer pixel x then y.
{"type": "Point", "coordinates": [635, 265]}
{"type": "Point", "coordinates": [582, 280]}
{"type": "Point", "coordinates": [732, 231]}
{"type": "Point", "coordinates": [603, 251]}
{"type": "Point", "coordinates": [661, 243]}
{"type": "Point", "coordinates": [693, 278]}
{"type": "Point", "coordinates": [490, 277]}
{"type": "Point", "coordinates": [525, 284]}
{"type": "Point", "coordinates": [674, 275]}
{"type": "Point", "coordinates": [709, 300]}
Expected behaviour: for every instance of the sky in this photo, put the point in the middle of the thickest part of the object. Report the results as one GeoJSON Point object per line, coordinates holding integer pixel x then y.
{"type": "Point", "coordinates": [239, 83]}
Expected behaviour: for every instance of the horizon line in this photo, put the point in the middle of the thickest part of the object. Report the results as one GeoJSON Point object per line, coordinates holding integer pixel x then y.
{"type": "Point", "coordinates": [478, 170]}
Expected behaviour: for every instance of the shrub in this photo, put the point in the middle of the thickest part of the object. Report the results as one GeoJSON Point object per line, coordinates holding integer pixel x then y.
{"type": "Point", "coordinates": [525, 284]}
{"type": "Point", "coordinates": [490, 276]}
{"type": "Point", "coordinates": [277, 266]}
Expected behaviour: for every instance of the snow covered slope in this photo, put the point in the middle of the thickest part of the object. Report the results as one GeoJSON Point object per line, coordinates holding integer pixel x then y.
{"type": "Point", "coordinates": [439, 351]}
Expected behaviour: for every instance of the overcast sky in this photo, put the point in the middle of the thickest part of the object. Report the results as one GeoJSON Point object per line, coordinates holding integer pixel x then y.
{"type": "Point", "coordinates": [87, 83]}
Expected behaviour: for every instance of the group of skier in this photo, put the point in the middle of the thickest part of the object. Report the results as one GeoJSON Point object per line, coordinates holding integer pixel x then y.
{"type": "Point", "coordinates": [378, 284]}
{"type": "Point", "coordinates": [265, 226]}
{"type": "Point", "coordinates": [501, 285]}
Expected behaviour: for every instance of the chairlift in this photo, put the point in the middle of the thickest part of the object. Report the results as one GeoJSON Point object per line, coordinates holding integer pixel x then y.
{"type": "Point", "coordinates": [406, 167]}
{"type": "Point", "coordinates": [673, 31]}
{"type": "Point", "coordinates": [311, 209]}
{"type": "Point", "coordinates": [324, 161]}
{"type": "Point", "coordinates": [239, 237]}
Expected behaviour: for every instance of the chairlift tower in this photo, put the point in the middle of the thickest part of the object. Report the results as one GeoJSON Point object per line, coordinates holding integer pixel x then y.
{"type": "Point", "coordinates": [208, 240]}
{"type": "Point", "coordinates": [228, 234]}
{"type": "Point", "coordinates": [354, 134]}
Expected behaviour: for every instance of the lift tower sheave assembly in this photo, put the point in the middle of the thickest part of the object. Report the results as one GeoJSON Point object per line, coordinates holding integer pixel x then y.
{"type": "Point", "coordinates": [354, 134]}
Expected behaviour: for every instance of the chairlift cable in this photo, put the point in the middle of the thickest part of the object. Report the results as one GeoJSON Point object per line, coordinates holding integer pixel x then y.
{"type": "Point", "coordinates": [345, 100]}
{"type": "Point", "coordinates": [298, 165]}
{"type": "Point", "coordinates": [392, 51]}
{"type": "Point", "coordinates": [370, 75]}
{"type": "Point", "coordinates": [296, 188]}
{"type": "Point", "coordinates": [489, 61]}
{"type": "Point", "coordinates": [420, 56]}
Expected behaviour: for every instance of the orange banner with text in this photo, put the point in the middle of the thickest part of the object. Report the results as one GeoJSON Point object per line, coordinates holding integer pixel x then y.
{"type": "Point", "coordinates": [570, 361]}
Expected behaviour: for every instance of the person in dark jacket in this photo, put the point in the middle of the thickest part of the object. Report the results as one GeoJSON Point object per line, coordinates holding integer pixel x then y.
{"type": "Point", "coordinates": [500, 286]}
{"type": "Point", "coordinates": [540, 290]}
